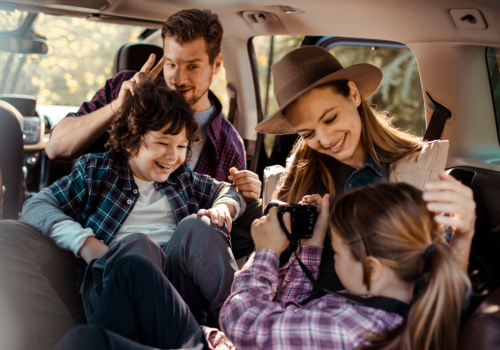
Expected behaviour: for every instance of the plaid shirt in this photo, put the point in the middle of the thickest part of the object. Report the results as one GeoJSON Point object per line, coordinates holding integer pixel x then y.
{"type": "Point", "coordinates": [252, 320]}
{"type": "Point", "coordinates": [225, 149]}
{"type": "Point", "coordinates": [100, 193]}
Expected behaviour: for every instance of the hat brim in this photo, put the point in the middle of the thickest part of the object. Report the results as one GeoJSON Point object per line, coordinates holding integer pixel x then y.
{"type": "Point", "coordinates": [366, 77]}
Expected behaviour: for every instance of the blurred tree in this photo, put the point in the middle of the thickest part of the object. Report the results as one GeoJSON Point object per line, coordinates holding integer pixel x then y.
{"type": "Point", "coordinates": [79, 62]}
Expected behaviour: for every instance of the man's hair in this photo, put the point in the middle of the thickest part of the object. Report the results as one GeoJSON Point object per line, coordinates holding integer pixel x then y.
{"type": "Point", "coordinates": [188, 25]}
{"type": "Point", "coordinates": [151, 108]}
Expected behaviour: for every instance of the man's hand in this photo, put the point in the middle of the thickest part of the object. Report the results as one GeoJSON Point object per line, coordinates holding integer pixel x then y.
{"type": "Point", "coordinates": [146, 73]}
{"type": "Point", "coordinates": [219, 214]}
{"type": "Point", "coordinates": [267, 233]}
{"type": "Point", "coordinates": [247, 183]}
{"type": "Point", "coordinates": [323, 207]}
{"type": "Point", "coordinates": [450, 196]}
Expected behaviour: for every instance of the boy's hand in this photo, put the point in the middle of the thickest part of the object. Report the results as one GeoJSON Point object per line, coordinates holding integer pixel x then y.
{"type": "Point", "coordinates": [146, 73]}
{"type": "Point", "coordinates": [91, 249]}
{"type": "Point", "coordinates": [323, 207]}
{"type": "Point", "coordinates": [219, 214]}
{"type": "Point", "coordinates": [247, 183]}
{"type": "Point", "coordinates": [451, 196]}
{"type": "Point", "coordinates": [267, 233]}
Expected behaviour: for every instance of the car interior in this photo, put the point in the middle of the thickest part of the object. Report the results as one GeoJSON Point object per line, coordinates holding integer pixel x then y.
{"type": "Point", "coordinates": [443, 53]}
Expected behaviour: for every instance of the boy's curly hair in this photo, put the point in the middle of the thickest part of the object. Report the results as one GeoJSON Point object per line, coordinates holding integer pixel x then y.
{"type": "Point", "coordinates": [151, 108]}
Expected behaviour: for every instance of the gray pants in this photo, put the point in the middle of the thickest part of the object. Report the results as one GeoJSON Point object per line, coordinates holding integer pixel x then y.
{"type": "Point", "coordinates": [37, 281]}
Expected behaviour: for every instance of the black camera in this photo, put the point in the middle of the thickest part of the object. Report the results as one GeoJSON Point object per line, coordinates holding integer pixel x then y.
{"type": "Point", "coordinates": [303, 217]}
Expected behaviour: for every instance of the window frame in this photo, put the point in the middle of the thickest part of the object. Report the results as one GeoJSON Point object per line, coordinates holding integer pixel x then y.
{"type": "Point", "coordinates": [496, 104]}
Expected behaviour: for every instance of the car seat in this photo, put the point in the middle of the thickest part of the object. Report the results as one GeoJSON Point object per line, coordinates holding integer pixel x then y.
{"type": "Point", "coordinates": [11, 159]}
{"type": "Point", "coordinates": [482, 329]}
{"type": "Point", "coordinates": [133, 56]}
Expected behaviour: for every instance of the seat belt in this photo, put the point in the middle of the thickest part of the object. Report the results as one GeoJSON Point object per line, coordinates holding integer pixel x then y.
{"type": "Point", "coordinates": [375, 302]}
{"type": "Point", "coordinates": [437, 122]}
{"type": "Point", "coordinates": [233, 106]}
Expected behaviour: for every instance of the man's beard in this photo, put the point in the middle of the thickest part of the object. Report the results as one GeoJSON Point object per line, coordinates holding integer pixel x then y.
{"type": "Point", "coordinates": [195, 98]}
{"type": "Point", "coordinates": [192, 101]}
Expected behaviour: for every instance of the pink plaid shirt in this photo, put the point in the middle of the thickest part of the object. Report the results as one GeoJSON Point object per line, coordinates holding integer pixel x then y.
{"type": "Point", "coordinates": [252, 320]}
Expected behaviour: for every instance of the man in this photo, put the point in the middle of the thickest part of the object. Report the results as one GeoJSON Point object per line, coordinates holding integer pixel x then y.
{"type": "Point", "coordinates": [192, 56]}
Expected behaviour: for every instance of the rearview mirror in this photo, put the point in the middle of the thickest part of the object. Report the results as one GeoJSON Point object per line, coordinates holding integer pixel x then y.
{"type": "Point", "coordinates": [25, 45]}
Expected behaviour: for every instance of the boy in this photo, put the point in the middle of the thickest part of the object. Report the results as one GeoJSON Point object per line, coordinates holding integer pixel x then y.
{"type": "Point", "coordinates": [120, 202]}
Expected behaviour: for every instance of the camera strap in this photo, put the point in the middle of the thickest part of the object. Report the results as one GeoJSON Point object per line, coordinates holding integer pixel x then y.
{"type": "Point", "coordinates": [377, 302]}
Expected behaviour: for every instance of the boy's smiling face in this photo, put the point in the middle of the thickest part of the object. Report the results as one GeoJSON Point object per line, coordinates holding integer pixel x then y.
{"type": "Point", "coordinates": [159, 156]}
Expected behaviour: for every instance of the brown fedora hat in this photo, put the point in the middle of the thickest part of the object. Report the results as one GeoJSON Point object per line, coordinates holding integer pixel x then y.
{"type": "Point", "coordinates": [303, 69]}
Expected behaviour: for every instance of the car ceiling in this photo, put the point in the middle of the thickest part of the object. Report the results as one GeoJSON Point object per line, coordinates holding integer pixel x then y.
{"type": "Point", "coordinates": [406, 21]}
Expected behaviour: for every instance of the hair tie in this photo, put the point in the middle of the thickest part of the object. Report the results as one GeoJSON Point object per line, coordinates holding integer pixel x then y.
{"type": "Point", "coordinates": [432, 247]}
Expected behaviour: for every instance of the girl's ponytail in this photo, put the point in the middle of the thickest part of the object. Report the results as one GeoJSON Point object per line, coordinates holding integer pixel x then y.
{"type": "Point", "coordinates": [397, 229]}
{"type": "Point", "coordinates": [434, 317]}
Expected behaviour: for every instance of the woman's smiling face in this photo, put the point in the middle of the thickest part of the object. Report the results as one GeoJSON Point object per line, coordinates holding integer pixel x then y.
{"type": "Point", "coordinates": [330, 123]}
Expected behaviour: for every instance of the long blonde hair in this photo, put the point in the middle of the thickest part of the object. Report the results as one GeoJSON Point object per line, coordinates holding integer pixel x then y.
{"type": "Point", "coordinates": [397, 229]}
{"type": "Point", "coordinates": [381, 140]}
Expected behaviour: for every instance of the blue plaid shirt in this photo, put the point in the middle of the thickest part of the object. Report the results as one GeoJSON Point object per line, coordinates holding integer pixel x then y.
{"type": "Point", "coordinates": [100, 193]}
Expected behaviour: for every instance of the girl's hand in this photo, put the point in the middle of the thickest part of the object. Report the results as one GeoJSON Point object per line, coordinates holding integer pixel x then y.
{"type": "Point", "coordinates": [267, 233]}
{"type": "Point", "coordinates": [451, 196]}
{"type": "Point", "coordinates": [219, 214]}
{"type": "Point", "coordinates": [318, 238]}
{"type": "Point", "coordinates": [312, 199]}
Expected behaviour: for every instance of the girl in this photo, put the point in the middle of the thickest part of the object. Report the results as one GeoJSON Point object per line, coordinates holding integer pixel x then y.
{"type": "Point", "coordinates": [345, 144]}
{"type": "Point", "coordinates": [382, 257]}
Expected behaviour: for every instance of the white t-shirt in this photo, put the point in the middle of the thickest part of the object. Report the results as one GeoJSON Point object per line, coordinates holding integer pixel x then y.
{"type": "Point", "coordinates": [152, 215]}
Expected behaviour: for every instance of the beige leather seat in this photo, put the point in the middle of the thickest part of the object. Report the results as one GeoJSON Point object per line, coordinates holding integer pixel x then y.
{"type": "Point", "coordinates": [482, 329]}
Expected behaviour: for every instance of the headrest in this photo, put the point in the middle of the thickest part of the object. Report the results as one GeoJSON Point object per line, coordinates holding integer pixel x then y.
{"type": "Point", "coordinates": [133, 56]}
{"type": "Point", "coordinates": [25, 104]}
{"type": "Point", "coordinates": [8, 109]}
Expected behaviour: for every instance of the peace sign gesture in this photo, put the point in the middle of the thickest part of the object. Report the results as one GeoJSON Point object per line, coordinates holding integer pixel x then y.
{"type": "Point", "coordinates": [127, 88]}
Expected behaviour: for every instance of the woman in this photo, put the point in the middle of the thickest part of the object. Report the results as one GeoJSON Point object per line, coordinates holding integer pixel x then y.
{"type": "Point", "coordinates": [346, 144]}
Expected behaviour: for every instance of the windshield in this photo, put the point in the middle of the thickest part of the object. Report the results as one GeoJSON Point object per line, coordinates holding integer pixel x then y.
{"type": "Point", "coordinates": [79, 62]}
{"type": "Point", "coordinates": [11, 20]}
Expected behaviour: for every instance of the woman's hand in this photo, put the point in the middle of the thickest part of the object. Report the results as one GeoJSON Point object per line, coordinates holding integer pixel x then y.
{"type": "Point", "coordinates": [267, 233]}
{"type": "Point", "coordinates": [452, 197]}
{"type": "Point", "coordinates": [219, 214]}
{"type": "Point", "coordinates": [323, 207]}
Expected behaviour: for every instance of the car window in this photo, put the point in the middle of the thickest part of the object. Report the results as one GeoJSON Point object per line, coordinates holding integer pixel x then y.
{"type": "Point", "coordinates": [218, 87]}
{"type": "Point", "coordinates": [400, 92]}
{"type": "Point", "coordinates": [80, 60]}
{"type": "Point", "coordinates": [493, 63]}
{"type": "Point", "coordinates": [269, 50]}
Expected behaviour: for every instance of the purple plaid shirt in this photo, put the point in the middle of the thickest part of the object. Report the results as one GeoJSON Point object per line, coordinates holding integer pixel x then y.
{"type": "Point", "coordinates": [225, 149]}
{"type": "Point", "coordinates": [252, 320]}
